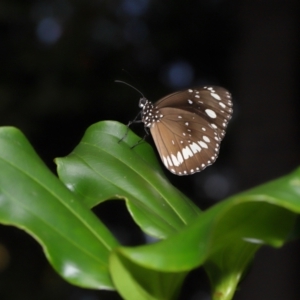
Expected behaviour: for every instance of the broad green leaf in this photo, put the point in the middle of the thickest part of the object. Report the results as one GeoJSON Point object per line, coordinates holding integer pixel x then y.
{"type": "Point", "coordinates": [102, 167]}
{"type": "Point", "coordinates": [137, 283]}
{"type": "Point", "coordinates": [246, 232]}
{"type": "Point", "coordinates": [224, 238]}
{"type": "Point", "coordinates": [227, 267]}
{"type": "Point", "coordinates": [75, 242]}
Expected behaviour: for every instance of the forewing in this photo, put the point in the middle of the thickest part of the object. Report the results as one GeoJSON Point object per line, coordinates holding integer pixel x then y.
{"type": "Point", "coordinates": [213, 104]}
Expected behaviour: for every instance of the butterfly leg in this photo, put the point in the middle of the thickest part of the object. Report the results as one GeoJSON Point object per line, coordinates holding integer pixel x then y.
{"type": "Point", "coordinates": [128, 125]}
{"type": "Point", "coordinates": [141, 140]}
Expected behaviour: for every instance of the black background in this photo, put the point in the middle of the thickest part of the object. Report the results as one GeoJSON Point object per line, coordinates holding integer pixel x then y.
{"type": "Point", "coordinates": [58, 63]}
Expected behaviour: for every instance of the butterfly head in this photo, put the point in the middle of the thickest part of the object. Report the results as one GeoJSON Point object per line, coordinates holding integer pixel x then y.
{"type": "Point", "coordinates": [143, 102]}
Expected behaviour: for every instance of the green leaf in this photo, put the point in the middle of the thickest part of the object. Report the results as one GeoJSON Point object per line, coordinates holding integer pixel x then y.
{"type": "Point", "coordinates": [137, 283]}
{"type": "Point", "coordinates": [75, 242]}
{"type": "Point", "coordinates": [225, 269]}
{"type": "Point", "coordinates": [102, 167]}
{"type": "Point", "coordinates": [224, 238]}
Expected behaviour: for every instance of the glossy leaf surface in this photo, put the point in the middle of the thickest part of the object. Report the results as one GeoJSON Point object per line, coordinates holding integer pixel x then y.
{"type": "Point", "coordinates": [225, 237]}
{"type": "Point", "coordinates": [102, 167]}
{"type": "Point", "coordinates": [75, 242]}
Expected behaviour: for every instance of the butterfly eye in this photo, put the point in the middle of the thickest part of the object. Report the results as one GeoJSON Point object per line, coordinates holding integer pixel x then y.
{"type": "Point", "coordinates": [142, 102]}
{"type": "Point", "coordinates": [188, 126]}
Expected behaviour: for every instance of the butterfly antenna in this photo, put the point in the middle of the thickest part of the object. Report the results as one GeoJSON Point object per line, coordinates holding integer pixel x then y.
{"type": "Point", "coordinates": [120, 81]}
{"type": "Point", "coordinates": [129, 74]}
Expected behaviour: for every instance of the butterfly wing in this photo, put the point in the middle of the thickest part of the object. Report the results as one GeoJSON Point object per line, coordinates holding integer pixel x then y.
{"type": "Point", "coordinates": [212, 104]}
{"type": "Point", "coordinates": [185, 141]}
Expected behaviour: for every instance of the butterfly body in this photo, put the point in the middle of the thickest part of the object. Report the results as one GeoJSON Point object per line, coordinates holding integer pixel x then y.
{"type": "Point", "coordinates": [188, 126]}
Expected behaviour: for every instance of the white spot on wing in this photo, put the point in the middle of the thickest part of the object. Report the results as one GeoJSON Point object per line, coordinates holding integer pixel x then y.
{"type": "Point", "coordinates": [186, 152]}
{"type": "Point", "coordinates": [175, 160]}
{"type": "Point", "coordinates": [165, 161]}
{"type": "Point", "coordinates": [195, 148]}
{"type": "Point", "coordinates": [206, 139]}
{"type": "Point", "coordinates": [169, 161]}
{"type": "Point", "coordinates": [222, 104]}
{"type": "Point", "coordinates": [202, 144]}
{"type": "Point", "coordinates": [210, 113]}
{"type": "Point", "coordinates": [216, 96]}
{"type": "Point", "coordinates": [179, 157]}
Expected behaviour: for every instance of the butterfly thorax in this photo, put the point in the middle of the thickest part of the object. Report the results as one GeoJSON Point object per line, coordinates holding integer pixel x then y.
{"type": "Point", "coordinates": [150, 114]}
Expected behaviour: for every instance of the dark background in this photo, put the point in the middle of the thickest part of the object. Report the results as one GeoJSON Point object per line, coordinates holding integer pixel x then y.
{"type": "Point", "coordinates": [58, 63]}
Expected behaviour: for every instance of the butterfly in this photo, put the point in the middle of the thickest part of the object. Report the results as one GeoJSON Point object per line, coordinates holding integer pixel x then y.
{"type": "Point", "coordinates": [188, 126]}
